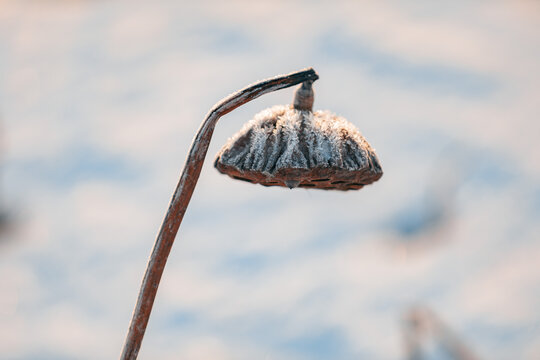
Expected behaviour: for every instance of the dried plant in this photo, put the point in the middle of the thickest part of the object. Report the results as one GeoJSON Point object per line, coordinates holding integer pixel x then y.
{"type": "Point", "coordinates": [309, 149]}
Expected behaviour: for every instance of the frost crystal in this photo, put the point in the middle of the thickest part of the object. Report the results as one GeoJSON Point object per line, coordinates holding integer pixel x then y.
{"type": "Point", "coordinates": [287, 147]}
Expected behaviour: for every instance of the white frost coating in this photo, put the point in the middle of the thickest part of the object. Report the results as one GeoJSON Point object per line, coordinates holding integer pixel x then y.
{"type": "Point", "coordinates": [282, 137]}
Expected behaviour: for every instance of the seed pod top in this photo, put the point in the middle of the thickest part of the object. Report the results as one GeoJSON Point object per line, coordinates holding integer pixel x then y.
{"type": "Point", "coordinates": [294, 147]}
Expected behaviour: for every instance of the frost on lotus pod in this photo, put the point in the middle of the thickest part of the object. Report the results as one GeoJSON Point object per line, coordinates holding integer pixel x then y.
{"type": "Point", "coordinates": [294, 147]}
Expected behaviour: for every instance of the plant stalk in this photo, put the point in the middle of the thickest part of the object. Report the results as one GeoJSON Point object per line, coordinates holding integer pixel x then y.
{"type": "Point", "coordinates": [182, 196]}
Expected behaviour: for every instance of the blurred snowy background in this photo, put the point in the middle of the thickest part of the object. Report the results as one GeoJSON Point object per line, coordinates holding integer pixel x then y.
{"type": "Point", "coordinates": [99, 101]}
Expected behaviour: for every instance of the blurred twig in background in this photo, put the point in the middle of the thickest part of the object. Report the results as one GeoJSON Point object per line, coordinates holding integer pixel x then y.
{"type": "Point", "coordinates": [5, 214]}
{"type": "Point", "coordinates": [429, 221]}
{"type": "Point", "coordinates": [427, 337]}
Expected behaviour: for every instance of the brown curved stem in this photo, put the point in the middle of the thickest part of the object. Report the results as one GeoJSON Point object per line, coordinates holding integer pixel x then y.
{"type": "Point", "coordinates": [182, 195]}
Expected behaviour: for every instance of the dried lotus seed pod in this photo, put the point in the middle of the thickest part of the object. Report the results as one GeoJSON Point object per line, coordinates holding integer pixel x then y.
{"type": "Point", "coordinates": [292, 146]}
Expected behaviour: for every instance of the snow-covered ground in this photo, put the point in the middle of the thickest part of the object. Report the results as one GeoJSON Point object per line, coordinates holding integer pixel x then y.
{"type": "Point", "coordinates": [99, 101]}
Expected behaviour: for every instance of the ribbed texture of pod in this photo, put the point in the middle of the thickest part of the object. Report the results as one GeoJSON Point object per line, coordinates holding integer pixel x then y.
{"type": "Point", "coordinates": [283, 146]}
